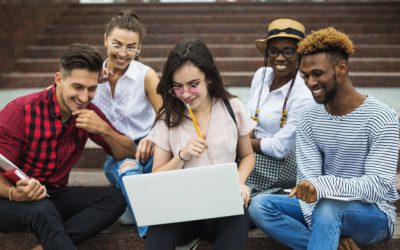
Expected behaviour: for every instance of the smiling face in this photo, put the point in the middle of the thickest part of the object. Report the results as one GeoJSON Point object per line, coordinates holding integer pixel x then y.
{"type": "Point", "coordinates": [122, 47]}
{"type": "Point", "coordinates": [283, 57]}
{"type": "Point", "coordinates": [75, 90]}
{"type": "Point", "coordinates": [320, 76]}
{"type": "Point", "coordinates": [192, 83]}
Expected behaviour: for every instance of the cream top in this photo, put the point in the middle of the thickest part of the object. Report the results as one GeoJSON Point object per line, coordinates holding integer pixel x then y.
{"type": "Point", "coordinates": [222, 135]}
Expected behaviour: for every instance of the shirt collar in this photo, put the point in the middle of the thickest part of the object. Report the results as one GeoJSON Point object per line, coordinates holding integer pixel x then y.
{"type": "Point", "coordinates": [54, 108]}
{"type": "Point", "coordinates": [130, 72]}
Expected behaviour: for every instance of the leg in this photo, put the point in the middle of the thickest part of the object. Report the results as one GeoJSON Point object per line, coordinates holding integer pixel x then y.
{"type": "Point", "coordinates": [362, 222]}
{"type": "Point", "coordinates": [281, 218]}
{"type": "Point", "coordinates": [169, 236]}
{"type": "Point", "coordinates": [40, 217]}
{"type": "Point", "coordinates": [227, 232]}
{"type": "Point", "coordinates": [87, 210]}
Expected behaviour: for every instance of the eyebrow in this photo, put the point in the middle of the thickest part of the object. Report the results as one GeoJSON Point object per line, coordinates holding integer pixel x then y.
{"type": "Point", "coordinates": [115, 40]}
{"type": "Point", "coordinates": [190, 82]}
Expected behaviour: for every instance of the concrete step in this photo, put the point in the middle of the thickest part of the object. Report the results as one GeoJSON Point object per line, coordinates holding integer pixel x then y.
{"type": "Point", "coordinates": [218, 50]}
{"type": "Point", "coordinates": [229, 38]}
{"type": "Point", "coordinates": [350, 7]}
{"type": "Point", "coordinates": [231, 78]}
{"type": "Point", "coordinates": [224, 64]}
{"type": "Point", "coordinates": [225, 17]}
{"type": "Point", "coordinates": [228, 27]}
{"type": "Point", "coordinates": [118, 237]}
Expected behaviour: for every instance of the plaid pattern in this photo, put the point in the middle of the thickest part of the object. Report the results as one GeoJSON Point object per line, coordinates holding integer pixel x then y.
{"type": "Point", "coordinates": [33, 137]}
{"type": "Point", "coordinates": [271, 174]}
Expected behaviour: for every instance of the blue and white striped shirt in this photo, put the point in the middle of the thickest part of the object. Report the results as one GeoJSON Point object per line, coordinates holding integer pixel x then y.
{"type": "Point", "coordinates": [354, 155]}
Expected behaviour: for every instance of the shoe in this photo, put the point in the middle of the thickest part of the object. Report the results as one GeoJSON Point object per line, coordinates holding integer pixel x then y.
{"type": "Point", "coordinates": [126, 218]}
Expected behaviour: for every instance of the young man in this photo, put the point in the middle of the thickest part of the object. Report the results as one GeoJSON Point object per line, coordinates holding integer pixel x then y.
{"type": "Point", "coordinates": [44, 134]}
{"type": "Point", "coordinates": [346, 146]}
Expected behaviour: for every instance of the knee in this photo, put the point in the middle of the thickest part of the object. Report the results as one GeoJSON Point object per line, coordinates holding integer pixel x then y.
{"type": "Point", "coordinates": [115, 199]}
{"type": "Point", "coordinates": [261, 208]}
{"type": "Point", "coordinates": [326, 210]}
{"type": "Point", "coordinates": [42, 211]}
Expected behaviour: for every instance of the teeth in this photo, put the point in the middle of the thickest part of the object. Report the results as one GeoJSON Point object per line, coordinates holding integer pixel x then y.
{"type": "Point", "coordinates": [281, 67]}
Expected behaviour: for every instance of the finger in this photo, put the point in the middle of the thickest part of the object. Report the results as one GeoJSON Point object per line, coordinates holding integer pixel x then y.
{"type": "Point", "coordinates": [352, 244]}
{"type": "Point", "coordinates": [22, 183]}
{"type": "Point", "coordinates": [293, 192]}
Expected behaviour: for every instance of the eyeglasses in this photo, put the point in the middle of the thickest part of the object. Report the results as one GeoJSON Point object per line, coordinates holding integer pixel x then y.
{"type": "Point", "coordinates": [179, 91]}
{"type": "Point", "coordinates": [287, 52]}
{"type": "Point", "coordinates": [128, 50]}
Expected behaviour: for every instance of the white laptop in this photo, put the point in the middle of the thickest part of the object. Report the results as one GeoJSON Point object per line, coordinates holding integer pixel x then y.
{"type": "Point", "coordinates": [185, 195]}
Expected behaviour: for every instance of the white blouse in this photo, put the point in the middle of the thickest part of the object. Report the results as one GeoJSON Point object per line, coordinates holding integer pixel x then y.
{"type": "Point", "coordinates": [129, 111]}
{"type": "Point", "coordinates": [276, 141]}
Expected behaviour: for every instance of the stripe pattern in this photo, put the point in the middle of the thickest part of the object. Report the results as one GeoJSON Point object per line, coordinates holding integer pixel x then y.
{"type": "Point", "coordinates": [351, 155]}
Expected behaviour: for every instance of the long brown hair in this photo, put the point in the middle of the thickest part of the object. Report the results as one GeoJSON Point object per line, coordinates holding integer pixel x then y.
{"type": "Point", "coordinates": [196, 52]}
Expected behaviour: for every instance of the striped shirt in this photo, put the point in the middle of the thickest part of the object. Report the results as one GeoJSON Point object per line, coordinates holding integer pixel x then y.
{"type": "Point", "coordinates": [354, 155]}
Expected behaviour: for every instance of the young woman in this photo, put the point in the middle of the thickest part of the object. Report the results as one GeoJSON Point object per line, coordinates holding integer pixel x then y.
{"type": "Point", "coordinates": [191, 77]}
{"type": "Point", "coordinates": [277, 95]}
{"type": "Point", "coordinates": [128, 96]}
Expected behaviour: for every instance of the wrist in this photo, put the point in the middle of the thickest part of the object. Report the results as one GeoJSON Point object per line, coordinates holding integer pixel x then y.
{"type": "Point", "coordinates": [10, 196]}
{"type": "Point", "coordinates": [180, 156]}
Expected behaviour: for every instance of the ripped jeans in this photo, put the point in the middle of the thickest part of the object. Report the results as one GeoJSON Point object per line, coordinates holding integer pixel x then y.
{"type": "Point", "coordinates": [111, 169]}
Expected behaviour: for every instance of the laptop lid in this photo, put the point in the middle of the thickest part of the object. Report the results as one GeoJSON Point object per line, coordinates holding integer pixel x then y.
{"type": "Point", "coordinates": [185, 195]}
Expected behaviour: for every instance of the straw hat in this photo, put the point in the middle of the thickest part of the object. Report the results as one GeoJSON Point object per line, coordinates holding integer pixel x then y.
{"type": "Point", "coordinates": [281, 28]}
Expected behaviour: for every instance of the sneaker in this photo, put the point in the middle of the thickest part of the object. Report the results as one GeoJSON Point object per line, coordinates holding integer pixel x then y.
{"type": "Point", "coordinates": [126, 218]}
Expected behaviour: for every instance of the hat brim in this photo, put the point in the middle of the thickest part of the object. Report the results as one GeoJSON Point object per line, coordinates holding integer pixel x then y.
{"type": "Point", "coordinates": [261, 44]}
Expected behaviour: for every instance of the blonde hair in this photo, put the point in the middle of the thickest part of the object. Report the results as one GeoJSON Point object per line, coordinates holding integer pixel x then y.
{"type": "Point", "coordinates": [326, 40]}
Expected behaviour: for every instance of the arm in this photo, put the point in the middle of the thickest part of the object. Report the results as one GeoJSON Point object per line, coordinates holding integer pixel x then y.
{"type": "Point", "coordinates": [11, 145]}
{"type": "Point", "coordinates": [164, 160]}
{"type": "Point", "coordinates": [246, 165]}
{"type": "Point", "coordinates": [280, 144]}
{"type": "Point", "coordinates": [121, 145]}
{"type": "Point", "coordinates": [378, 181]}
{"type": "Point", "coordinates": [151, 81]}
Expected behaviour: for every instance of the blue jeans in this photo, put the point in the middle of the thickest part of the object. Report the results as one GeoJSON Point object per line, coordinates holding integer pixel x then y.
{"type": "Point", "coordinates": [281, 218]}
{"type": "Point", "coordinates": [111, 167]}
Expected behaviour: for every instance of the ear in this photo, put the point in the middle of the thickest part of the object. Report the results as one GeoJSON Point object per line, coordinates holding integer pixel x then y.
{"type": "Point", "coordinates": [58, 78]}
{"type": "Point", "coordinates": [341, 68]}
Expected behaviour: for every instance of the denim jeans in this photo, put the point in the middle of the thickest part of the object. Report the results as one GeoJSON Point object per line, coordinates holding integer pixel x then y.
{"type": "Point", "coordinates": [111, 169]}
{"type": "Point", "coordinates": [281, 218]}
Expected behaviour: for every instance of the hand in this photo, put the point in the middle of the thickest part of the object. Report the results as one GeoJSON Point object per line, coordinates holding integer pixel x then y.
{"type": "Point", "coordinates": [29, 190]}
{"type": "Point", "coordinates": [305, 191]}
{"type": "Point", "coordinates": [346, 243]}
{"type": "Point", "coordinates": [90, 121]}
{"type": "Point", "coordinates": [245, 191]}
{"type": "Point", "coordinates": [105, 74]}
{"type": "Point", "coordinates": [195, 147]}
{"type": "Point", "coordinates": [144, 150]}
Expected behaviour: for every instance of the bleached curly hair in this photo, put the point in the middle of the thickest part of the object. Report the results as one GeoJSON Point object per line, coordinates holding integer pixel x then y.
{"type": "Point", "coordinates": [326, 40]}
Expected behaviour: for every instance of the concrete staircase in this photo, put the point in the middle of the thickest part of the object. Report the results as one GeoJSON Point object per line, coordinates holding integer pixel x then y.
{"type": "Point", "coordinates": [229, 29]}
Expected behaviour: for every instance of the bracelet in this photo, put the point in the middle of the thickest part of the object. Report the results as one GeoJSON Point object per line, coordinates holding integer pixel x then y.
{"type": "Point", "coordinates": [179, 156]}
{"type": "Point", "coordinates": [10, 194]}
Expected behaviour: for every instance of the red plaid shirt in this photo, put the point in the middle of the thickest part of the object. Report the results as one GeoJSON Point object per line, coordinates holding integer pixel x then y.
{"type": "Point", "coordinates": [33, 137]}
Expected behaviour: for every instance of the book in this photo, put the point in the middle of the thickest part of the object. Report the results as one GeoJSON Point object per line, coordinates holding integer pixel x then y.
{"type": "Point", "coordinates": [10, 171]}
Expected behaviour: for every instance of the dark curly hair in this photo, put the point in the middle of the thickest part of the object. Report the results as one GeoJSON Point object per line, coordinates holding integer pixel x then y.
{"type": "Point", "coordinates": [329, 40]}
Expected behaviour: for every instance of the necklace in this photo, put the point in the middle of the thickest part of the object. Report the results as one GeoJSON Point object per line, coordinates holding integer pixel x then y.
{"type": "Point", "coordinates": [284, 113]}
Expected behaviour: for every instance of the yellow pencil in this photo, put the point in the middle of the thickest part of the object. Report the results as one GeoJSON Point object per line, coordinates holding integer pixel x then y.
{"type": "Point", "coordinates": [194, 120]}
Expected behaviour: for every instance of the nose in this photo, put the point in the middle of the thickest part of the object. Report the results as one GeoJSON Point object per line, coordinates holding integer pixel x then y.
{"type": "Point", "coordinates": [280, 56]}
{"type": "Point", "coordinates": [84, 96]}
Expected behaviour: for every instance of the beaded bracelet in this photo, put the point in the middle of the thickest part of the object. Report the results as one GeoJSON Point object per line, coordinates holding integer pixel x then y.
{"type": "Point", "coordinates": [10, 194]}
{"type": "Point", "coordinates": [179, 156]}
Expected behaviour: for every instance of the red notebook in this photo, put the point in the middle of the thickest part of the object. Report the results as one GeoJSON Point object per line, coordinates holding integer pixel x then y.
{"type": "Point", "coordinates": [10, 171]}
{"type": "Point", "coordinates": [14, 175]}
